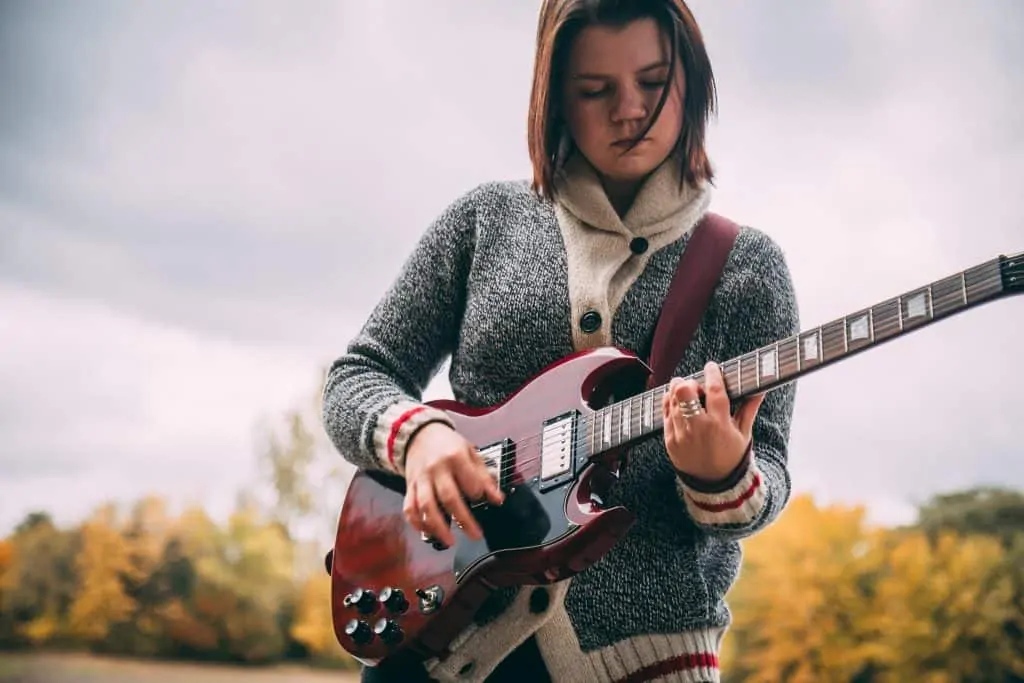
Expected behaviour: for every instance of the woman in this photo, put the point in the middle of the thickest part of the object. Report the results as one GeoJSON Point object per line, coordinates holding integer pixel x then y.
{"type": "Point", "coordinates": [514, 276]}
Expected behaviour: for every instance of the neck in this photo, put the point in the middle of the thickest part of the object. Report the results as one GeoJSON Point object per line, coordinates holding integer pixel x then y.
{"type": "Point", "coordinates": [643, 207]}
{"type": "Point", "coordinates": [785, 360]}
{"type": "Point", "coordinates": [621, 193]}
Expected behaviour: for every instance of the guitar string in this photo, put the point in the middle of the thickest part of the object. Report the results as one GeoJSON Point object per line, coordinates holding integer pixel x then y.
{"type": "Point", "coordinates": [980, 288]}
{"type": "Point", "coordinates": [984, 287]}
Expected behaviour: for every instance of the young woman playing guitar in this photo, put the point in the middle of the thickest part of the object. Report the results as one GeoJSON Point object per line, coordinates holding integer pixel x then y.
{"type": "Point", "coordinates": [514, 276]}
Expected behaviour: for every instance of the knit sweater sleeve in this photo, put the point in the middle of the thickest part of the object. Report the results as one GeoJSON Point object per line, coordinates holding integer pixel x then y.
{"type": "Point", "coordinates": [762, 310]}
{"type": "Point", "coordinates": [372, 396]}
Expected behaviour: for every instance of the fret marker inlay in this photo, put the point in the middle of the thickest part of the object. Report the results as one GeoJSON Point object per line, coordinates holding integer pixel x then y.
{"type": "Point", "coordinates": [916, 305]}
{"type": "Point", "coordinates": [859, 328]}
{"type": "Point", "coordinates": [768, 363]}
{"type": "Point", "coordinates": [811, 347]}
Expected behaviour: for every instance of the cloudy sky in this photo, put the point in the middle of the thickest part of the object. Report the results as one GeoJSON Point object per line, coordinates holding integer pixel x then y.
{"type": "Point", "coordinates": [200, 201]}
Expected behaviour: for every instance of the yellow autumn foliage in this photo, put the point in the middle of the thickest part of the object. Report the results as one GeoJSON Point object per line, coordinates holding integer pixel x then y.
{"type": "Point", "coordinates": [101, 601]}
{"type": "Point", "coordinates": [313, 626]}
{"type": "Point", "coordinates": [825, 597]}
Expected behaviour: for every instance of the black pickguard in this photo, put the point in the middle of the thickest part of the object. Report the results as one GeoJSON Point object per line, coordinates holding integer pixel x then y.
{"type": "Point", "coordinates": [526, 519]}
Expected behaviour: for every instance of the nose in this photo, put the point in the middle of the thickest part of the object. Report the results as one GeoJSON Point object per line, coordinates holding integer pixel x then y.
{"type": "Point", "coordinates": [630, 105]}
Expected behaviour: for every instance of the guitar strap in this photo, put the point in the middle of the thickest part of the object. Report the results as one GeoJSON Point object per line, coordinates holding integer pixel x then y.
{"type": "Point", "coordinates": [696, 276]}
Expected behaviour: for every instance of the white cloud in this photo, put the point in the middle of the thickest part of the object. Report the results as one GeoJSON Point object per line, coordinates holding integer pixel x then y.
{"type": "Point", "coordinates": [113, 407]}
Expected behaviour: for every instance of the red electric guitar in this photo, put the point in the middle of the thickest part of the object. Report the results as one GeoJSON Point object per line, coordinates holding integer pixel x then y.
{"type": "Point", "coordinates": [555, 447]}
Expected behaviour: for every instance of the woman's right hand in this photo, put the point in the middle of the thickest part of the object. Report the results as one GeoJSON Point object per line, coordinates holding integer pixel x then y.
{"type": "Point", "coordinates": [442, 469]}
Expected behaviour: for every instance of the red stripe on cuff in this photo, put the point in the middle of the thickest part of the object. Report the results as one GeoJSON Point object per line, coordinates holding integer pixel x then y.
{"type": "Point", "coordinates": [396, 426]}
{"type": "Point", "coordinates": [697, 660]}
{"type": "Point", "coordinates": [730, 504]}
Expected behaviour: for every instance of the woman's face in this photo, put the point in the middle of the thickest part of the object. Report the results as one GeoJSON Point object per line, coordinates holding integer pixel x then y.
{"type": "Point", "coordinates": [614, 79]}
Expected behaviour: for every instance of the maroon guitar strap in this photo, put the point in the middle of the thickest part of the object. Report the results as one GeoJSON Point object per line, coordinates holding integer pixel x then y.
{"type": "Point", "coordinates": [696, 276]}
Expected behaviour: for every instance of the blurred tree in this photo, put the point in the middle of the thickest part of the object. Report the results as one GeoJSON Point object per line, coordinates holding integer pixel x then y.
{"type": "Point", "coordinates": [307, 479]}
{"type": "Point", "coordinates": [801, 598]}
{"type": "Point", "coordinates": [998, 513]}
{"type": "Point", "coordinates": [993, 511]}
{"type": "Point", "coordinates": [102, 564]}
{"type": "Point", "coordinates": [939, 609]}
{"type": "Point", "coordinates": [41, 579]}
{"type": "Point", "coordinates": [314, 626]}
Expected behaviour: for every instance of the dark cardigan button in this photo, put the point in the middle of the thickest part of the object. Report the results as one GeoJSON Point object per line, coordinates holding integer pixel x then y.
{"type": "Point", "coordinates": [590, 322]}
{"type": "Point", "coordinates": [638, 245]}
{"type": "Point", "coordinates": [539, 600]}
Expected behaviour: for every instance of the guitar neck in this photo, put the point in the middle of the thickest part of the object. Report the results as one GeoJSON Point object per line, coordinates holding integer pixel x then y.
{"type": "Point", "coordinates": [785, 360]}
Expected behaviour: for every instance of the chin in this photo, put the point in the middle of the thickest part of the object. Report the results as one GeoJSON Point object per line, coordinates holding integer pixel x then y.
{"type": "Point", "coordinates": [629, 169]}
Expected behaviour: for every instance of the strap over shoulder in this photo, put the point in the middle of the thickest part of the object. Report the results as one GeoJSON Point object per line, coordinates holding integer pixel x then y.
{"type": "Point", "coordinates": [698, 272]}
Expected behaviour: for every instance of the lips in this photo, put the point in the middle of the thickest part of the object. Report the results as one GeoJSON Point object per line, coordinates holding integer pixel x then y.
{"type": "Point", "coordinates": [626, 142]}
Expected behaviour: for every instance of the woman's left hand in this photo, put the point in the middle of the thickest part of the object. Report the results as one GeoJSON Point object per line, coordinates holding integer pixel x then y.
{"type": "Point", "coordinates": [711, 443]}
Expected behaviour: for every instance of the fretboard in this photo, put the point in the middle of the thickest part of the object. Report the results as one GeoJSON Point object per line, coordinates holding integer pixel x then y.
{"type": "Point", "coordinates": [785, 360]}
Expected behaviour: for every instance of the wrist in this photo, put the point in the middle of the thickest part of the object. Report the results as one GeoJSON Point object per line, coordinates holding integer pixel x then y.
{"type": "Point", "coordinates": [719, 484]}
{"type": "Point", "coordinates": [426, 427]}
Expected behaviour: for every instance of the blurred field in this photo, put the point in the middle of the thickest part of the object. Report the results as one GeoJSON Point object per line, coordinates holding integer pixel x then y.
{"type": "Point", "coordinates": [73, 668]}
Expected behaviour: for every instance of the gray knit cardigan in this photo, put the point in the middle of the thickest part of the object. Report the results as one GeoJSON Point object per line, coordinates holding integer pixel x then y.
{"type": "Point", "coordinates": [500, 283]}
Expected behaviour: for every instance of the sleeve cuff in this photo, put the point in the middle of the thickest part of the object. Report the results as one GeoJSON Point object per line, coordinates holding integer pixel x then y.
{"type": "Point", "coordinates": [396, 427]}
{"type": "Point", "coordinates": [738, 504]}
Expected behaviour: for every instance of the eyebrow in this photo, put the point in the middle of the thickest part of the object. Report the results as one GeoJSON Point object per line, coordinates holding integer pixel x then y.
{"type": "Point", "coordinates": [598, 77]}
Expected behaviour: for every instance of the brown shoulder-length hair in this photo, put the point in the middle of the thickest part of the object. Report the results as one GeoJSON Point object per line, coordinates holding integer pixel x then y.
{"type": "Point", "coordinates": [560, 22]}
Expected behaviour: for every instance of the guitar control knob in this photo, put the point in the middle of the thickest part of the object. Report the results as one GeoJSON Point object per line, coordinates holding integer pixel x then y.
{"type": "Point", "coordinates": [362, 599]}
{"type": "Point", "coordinates": [388, 630]}
{"type": "Point", "coordinates": [359, 631]}
{"type": "Point", "coordinates": [393, 600]}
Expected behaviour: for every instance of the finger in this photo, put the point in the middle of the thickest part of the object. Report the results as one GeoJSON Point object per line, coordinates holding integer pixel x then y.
{"type": "Point", "coordinates": [716, 400]}
{"type": "Point", "coordinates": [746, 414]}
{"type": "Point", "coordinates": [687, 391]}
{"type": "Point", "coordinates": [471, 475]}
{"type": "Point", "coordinates": [667, 408]}
{"type": "Point", "coordinates": [477, 482]}
{"type": "Point", "coordinates": [450, 496]}
{"type": "Point", "coordinates": [432, 518]}
{"type": "Point", "coordinates": [411, 507]}
{"type": "Point", "coordinates": [491, 489]}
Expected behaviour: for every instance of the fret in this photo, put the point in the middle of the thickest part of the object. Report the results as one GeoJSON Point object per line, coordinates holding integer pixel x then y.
{"type": "Point", "coordinates": [833, 340]}
{"type": "Point", "coordinates": [739, 376]}
{"type": "Point", "coordinates": [963, 287]}
{"type": "Point", "coordinates": [730, 372]}
{"type": "Point", "coordinates": [981, 282]}
{"type": "Point", "coordinates": [748, 366]}
{"type": "Point", "coordinates": [947, 296]}
{"type": "Point", "coordinates": [789, 357]}
{"type": "Point", "coordinates": [899, 317]}
{"type": "Point", "coordinates": [858, 330]}
{"type": "Point", "coordinates": [886, 320]}
{"type": "Point", "coordinates": [646, 412]}
{"type": "Point", "coordinates": [916, 308]}
{"type": "Point", "coordinates": [627, 418]}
